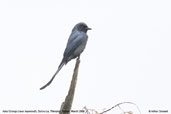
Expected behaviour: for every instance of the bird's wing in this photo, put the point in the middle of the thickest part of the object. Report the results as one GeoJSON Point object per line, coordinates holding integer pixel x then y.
{"type": "Point", "coordinates": [73, 44]}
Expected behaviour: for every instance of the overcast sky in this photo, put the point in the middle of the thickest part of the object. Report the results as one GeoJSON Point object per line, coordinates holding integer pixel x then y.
{"type": "Point", "coordinates": [127, 57]}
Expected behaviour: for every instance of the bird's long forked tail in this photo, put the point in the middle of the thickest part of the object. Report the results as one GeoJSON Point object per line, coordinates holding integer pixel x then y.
{"type": "Point", "coordinates": [59, 68]}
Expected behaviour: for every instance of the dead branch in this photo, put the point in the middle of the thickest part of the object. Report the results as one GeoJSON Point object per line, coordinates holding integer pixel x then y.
{"type": "Point", "coordinates": [118, 105]}
{"type": "Point", "coordinates": [67, 104]}
{"type": "Point", "coordinates": [92, 111]}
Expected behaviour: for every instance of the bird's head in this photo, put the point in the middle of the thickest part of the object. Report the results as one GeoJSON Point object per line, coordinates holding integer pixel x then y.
{"type": "Point", "coordinates": [81, 27]}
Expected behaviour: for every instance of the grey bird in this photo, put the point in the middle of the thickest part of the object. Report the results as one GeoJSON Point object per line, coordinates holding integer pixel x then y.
{"type": "Point", "coordinates": [75, 46]}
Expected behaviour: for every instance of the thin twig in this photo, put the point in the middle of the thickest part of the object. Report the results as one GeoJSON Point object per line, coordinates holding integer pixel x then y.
{"type": "Point", "coordinates": [119, 107]}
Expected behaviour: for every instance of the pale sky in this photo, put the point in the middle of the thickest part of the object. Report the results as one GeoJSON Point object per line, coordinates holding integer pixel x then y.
{"type": "Point", "coordinates": [127, 57]}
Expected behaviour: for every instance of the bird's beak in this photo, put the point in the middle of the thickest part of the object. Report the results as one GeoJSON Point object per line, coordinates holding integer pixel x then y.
{"type": "Point", "coordinates": [89, 29]}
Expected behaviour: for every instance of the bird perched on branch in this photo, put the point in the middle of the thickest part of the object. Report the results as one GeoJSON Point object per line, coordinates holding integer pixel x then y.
{"type": "Point", "coordinates": [75, 46]}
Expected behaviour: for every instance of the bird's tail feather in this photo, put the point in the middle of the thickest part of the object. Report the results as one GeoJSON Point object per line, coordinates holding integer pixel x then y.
{"type": "Point", "coordinates": [59, 68]}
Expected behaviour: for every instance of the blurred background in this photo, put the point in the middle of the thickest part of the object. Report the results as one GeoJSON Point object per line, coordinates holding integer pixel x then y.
{"type": "Point", "coordinates": [127, 57]}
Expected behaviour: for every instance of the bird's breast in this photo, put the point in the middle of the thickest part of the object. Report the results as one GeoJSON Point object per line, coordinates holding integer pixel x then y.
{"type": "Point", "coordinates": [81, 47]}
